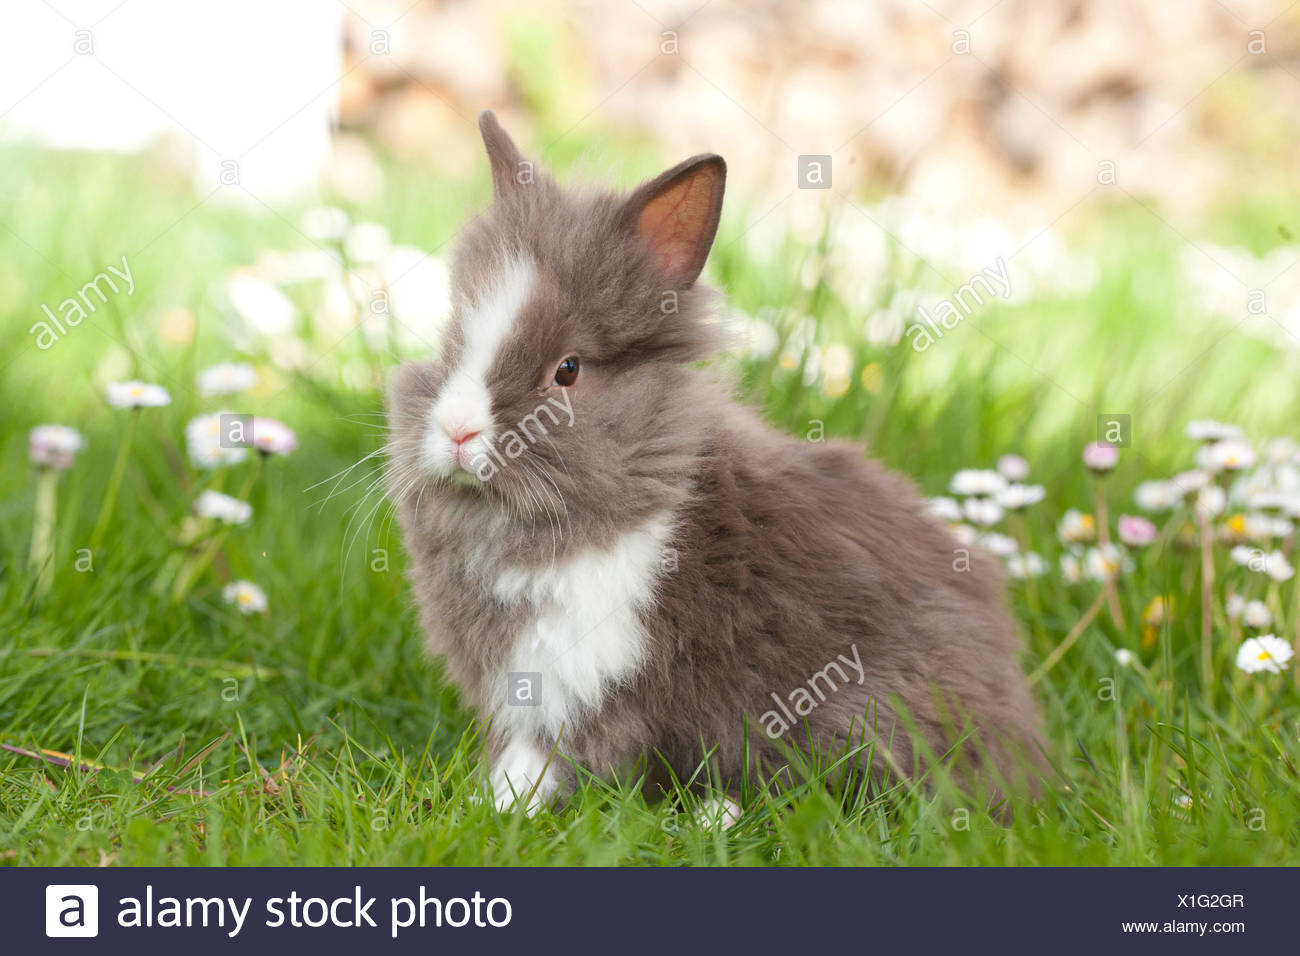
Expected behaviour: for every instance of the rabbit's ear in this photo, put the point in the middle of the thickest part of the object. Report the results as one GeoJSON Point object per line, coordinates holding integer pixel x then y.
{"type": "Point", "coordinates": [509, 168]}
{"type": "Point", "coordinates": [676, 215]}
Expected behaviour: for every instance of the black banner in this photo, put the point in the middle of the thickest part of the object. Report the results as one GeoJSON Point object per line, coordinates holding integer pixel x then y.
{"type": "Point", "coordinates": [649, 911]}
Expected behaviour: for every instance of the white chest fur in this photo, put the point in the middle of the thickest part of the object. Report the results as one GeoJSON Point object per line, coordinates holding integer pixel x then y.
{"type": "Point", "coordinates": [585, 635]}
{"type": "Point", "coordinates": [584, 638]}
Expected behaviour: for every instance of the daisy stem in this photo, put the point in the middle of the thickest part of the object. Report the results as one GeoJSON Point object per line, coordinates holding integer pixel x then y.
{"type": "Point", "coordinates": [1295, 613]}
{"type": "Point", "coordinates": [1103, 535]}
{"type": "Point", "coordinates": [42, 553]}
{"type": "Point", "coordinates": [198, 563]}
{"type": "Point", "coordinates": [115, 481]}
{"type": "Point", "coordinates": [1031, 583]}
{"type": "Point", "coordinates": [1075, 633]}
{"type": "Point", "coordinates": [1207, 600]}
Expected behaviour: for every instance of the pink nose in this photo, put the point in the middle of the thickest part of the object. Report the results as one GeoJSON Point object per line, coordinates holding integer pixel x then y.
{"type": "Point", "coordinates": [459, 436]}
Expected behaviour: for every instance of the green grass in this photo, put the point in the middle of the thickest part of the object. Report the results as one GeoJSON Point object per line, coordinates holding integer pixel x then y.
{"type": "Point", "coordinates": [318, 733]}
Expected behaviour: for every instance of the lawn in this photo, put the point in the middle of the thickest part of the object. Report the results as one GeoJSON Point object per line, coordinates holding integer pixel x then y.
{"type": "Point", "coordinates": [317, 733]}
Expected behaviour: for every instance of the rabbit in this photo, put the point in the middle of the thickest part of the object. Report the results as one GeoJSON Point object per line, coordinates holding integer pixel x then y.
{"type": "Point", "coordinates": [620, 566]}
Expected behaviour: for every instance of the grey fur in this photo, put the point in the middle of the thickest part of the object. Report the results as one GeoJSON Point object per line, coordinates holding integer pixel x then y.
{"type": "Point", "coordinates": [789, 555]}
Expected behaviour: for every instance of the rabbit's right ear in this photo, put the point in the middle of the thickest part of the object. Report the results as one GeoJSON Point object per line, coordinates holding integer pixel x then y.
{"type": "Point", "coordinates": [509, 168]}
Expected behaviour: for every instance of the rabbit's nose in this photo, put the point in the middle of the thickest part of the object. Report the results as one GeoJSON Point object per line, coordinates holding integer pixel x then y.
{"type": "Point", "coordinates": [462, 434]}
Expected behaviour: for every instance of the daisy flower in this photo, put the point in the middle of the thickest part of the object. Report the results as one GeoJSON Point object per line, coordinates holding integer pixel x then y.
{"type": "Point", "coordinates": [262, 306]}
{"type": "Point", "coordinates": [997, 544]}
{"type": "Point", "coordinates": [325, 224]}
{"type": "Point", "coordinates": [1027, 565]}
{"type": "Point", "coordinates": [1186, 482]}
{"type": "Point", "coordinates": [1232, 454]}
{"type": "Point", "coordinates": [1124, 657]}
{"type": "Point", "coordinates": [1277, 567]}
{"type": "Point", "coordinates": [1077, 527]}
{"type": "Point", "coordinates": [1210, 501]}
{"type": "Point", "coordinates": [366, 243]}
{"type": "Point", "coordinates": [135, 394]}
{"type": "Point", "coordinates": [1267, 653]}
{"type": "Point", "coordinates": [203, 440]}
{"type": "Point", "coordinates": [226, 378]}
{"type": "Point", "coordinates": [1105, 563]}
{"type": "Point", "coordinates": [1100, 458]}
{"type": "Point", "coordinates": [1209, 430]}
{"type": "Point", "coordinates": [1256, 615]}
{"type": "Point", "coordinates": [1157, 495]}
{"type": "Point", "coordinates": [1234, 606]}
{"type": "Point", "coordinates": [1015, 497]}
{"type": "Point", "coordinates": [53, 446]}
{"type": "Point", "coordinates": [1136, 532]}
{"type": "Point", "coordinates": [246, 596]}
{"type": "Point", "coordinates": [982, 511]}
{"type": "Point", "coordinates": [943, 508]}
{"type": "Point", "coordinates": [965, 534]}
{"type": "Point", "coordinates": [1013, 468]}
{"type": "Point", "coordinates": [224, 508]}
{"type": "Point", "coordinates": [271, 437]}
{"type": "Point", "coordinates": [976, 481]}
{"type": "Point", "coordinates": [1071, 569]}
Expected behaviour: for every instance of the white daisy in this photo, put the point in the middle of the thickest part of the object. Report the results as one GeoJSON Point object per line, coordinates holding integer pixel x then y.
{"type": "Point", "coordinates": [1027, 565]}
{"type": "Point", "coordinates": [1234, 606]}
{"type": "Point", "coordinates": [1280, 451]}
{"type": "Point", "coordinates": [1186, 482]}
{"type": "Point", "coordinates": [366, 243]}
{"type": "Point", "coordinates": [1277, 567]}
{"type": "Point", "coordinates": [246, 596]}
{"type": "Point", "coordinates": [1157, 495]}
{"type": "Point", "coordinates": [1244, 554]}
{"type": "Point", "coordinates": [997, 544]}
{"type": "Point", "coordinates": [226, 378]}
{"type": "Point", "coordinates": [1071, 569]}
{"type": "Point", "coordinates": [1013, 468]}
{"type": "Point", "coordinates": [224, 508]}
{"type": "Point", "coordinates": [1229, 455]}
{"type": "Point", "coordinates": [943, 508]}
{"type": "Point", "coordinates": [204, 441]}
{"type": "Point", "coordinates": [135, 394]}
{"type": "Point", "coordinates": [271, 437]}
{"type": "Point", "coordinates": [1015, 497]}
{"type": "Point", "coordinates": [54, 446]}
{"type": "Point", "coordinates": [325, 224]}
{"type": "Point", "coordinates": [1267, 653]}
{"type": "Point", "coordinates": [965, 534]}
{"type": "Point", "coordinates": [1256, 615]}
{"type": "Point", "coordinates": [262, 306]}
{"type": "Point", "coordinates": [976, 481]}
{"type": "Point", "coordinates": [1209, 430]}
{"type": "Point", "coordinates": [1124, 657]}
{"type": "Point", "coordinates": [982, 511]}
{"type": "Point", "coordinates": [1210, 501]}
{"type": "Point", "coordinates": [1076, 527]}
{"type": "Point", "coordinates": [1105, 563]}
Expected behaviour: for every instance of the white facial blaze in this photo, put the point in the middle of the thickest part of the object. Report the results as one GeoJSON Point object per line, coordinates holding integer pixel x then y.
{"type": "Point", "coordinates": [465, 404]}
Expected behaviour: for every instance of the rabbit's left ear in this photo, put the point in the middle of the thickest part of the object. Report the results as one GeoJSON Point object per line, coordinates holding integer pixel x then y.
{"type": "Point", "coordinates": [676, 216]}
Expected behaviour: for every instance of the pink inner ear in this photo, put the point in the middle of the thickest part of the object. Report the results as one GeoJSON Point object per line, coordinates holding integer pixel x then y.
{"type": "Point", "coordinates": [678, 222]}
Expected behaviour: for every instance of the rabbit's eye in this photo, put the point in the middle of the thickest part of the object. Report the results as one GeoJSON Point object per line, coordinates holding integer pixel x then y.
{"type": "Point", "coordinates": [567, 372]}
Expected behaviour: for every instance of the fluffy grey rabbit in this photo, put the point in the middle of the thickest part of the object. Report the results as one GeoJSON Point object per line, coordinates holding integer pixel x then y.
{"type": "Point", "coordinates": [618, 563]}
